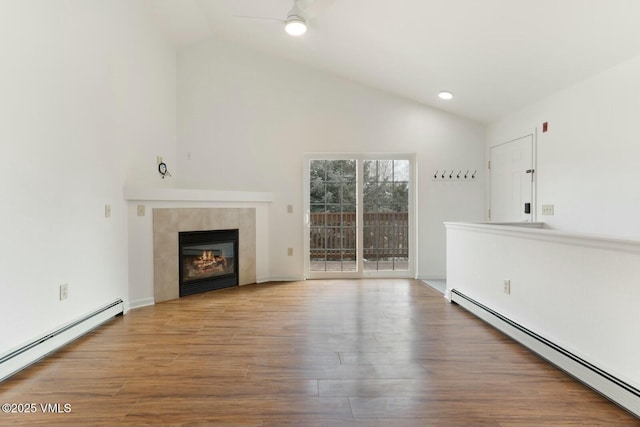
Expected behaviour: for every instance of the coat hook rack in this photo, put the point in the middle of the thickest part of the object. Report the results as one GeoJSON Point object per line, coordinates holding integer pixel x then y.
{"type": "Point", "coordinates": [452, 175]}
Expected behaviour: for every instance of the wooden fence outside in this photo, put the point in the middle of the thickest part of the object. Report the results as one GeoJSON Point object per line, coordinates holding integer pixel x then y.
{"type": "Point", "coordinates": [333, 235]}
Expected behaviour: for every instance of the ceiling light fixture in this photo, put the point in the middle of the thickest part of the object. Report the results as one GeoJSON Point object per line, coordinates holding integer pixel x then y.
{"type": "Point", "coordinates": [445, 95]}
{"type": "Point", "coordinates": [295, 25]}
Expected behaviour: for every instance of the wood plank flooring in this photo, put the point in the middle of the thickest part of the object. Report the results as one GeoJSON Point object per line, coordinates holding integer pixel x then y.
{"type": "Point", "coordinates": [316, 353]}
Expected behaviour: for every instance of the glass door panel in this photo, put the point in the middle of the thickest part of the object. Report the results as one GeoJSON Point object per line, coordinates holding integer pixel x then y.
{"type": "Point", "coordinates": [386, 215]}
{"type": "Point", "coordinates": [332, 215]}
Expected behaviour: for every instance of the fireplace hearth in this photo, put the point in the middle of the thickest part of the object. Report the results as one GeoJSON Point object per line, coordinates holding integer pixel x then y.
{"type": "Point", "coordinates": [208, 260]}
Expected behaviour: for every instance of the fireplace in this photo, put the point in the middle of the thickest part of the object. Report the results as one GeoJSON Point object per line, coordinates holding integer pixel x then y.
{"type": "Point", "coordinates": [208, 260]}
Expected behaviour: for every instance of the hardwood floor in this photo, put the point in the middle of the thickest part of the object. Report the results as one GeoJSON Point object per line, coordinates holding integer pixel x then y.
{"type": "Point", "coordinates": [316, 353]}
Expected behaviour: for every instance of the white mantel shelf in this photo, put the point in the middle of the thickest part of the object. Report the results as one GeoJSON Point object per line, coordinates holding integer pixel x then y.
{"type": "Point", "coordinates": [195, 195]}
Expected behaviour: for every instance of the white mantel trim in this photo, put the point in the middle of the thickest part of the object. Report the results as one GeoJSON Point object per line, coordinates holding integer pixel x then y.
{"type": "Point", "coordinates": [194, 195]}
{"type": "Point", "coordinates": [536, 231]}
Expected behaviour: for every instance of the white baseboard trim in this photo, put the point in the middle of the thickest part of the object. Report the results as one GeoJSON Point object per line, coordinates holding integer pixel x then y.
{"type": "Point", "coordinates": [143, 302]}
{"type": "Point", "coordinates": [286, 279]}
{"type": "Point", "coordinates": [616, 390]}
{"type": "Point", "coordinates": [30, 353]}
{"type": "Point", "coordinates": [432, 277]}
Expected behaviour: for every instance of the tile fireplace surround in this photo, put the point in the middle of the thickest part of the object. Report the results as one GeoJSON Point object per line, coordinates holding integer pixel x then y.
{"type": "Point", "coordinates": [153, 277]}
{"type": "Point", "coordinates": [168, 222]}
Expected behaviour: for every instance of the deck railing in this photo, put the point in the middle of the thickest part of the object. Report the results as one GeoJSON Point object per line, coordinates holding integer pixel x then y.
{"type": "Point", "coordinates": [333, 235]}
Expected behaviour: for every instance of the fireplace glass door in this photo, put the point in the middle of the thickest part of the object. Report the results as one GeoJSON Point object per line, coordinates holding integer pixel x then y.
{"type": "Point", "coordinates": [208, 260]}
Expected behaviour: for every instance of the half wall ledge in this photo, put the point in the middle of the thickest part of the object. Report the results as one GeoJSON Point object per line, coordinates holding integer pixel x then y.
{"type": "Point", "coordinates": [576, 295]}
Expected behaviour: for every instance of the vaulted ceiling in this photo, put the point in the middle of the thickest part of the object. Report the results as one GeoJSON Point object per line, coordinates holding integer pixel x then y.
{"type": "Point", "coordinates": [494, 55]}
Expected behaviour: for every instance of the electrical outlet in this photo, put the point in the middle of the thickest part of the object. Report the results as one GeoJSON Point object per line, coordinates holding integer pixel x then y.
{"type": "Point", "coordinates": [289, 251]}
{"type": "Point", "coordinates": [507, 287]}
{"type": "Point", "coordinates": [107, 211]}
{"type": "Point", "coordinates": [64, 291]}
{"type": "Point", "coordinates": [547, 209]}
{"type": "Point", "coordinates": [141, 210]}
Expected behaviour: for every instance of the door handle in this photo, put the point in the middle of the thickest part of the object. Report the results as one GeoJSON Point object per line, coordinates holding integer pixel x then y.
{"type": "Point", "coordinates": [530, 171]}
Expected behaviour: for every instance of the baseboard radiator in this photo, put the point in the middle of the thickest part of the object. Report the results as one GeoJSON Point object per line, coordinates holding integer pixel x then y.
{"type": "Point", "coordinates": [616, 390]}
{"type": "Point", "coordinates": [30, 353]}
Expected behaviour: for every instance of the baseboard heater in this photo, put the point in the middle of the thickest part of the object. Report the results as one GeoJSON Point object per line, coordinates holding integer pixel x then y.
{"type": "Point", "coordinates": [616, 390]}
{"type": "Point", "coordinates": [30, 353]}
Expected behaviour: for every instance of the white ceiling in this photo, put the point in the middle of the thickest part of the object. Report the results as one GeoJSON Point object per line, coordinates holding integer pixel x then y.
{"type": "Point", "coordinates": [494, 55]}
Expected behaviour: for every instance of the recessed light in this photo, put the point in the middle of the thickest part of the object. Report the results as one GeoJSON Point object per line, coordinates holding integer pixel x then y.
{"type": "Point", "coordinates": [445, 95]}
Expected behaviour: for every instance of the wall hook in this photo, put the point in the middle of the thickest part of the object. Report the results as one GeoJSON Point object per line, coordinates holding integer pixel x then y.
{"type": "Point", "coordinates": [162, 168]}
{"type": "Point", "coordinates": [436, 175]}
{"type": "Point", "coordinates": [451, 175]}
{"type": "Point", "coordinates": [466, 175]}
{"type": "Point", "coordinates": [474, 174]}
{"type": "Point", "coordinates": [458, 176]}
{"type": "Point", "coordinates": [443, 173]}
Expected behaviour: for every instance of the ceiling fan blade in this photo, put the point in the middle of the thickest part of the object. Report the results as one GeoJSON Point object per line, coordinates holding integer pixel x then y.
{"type": "Point", "coordinates": [261, 18]}
{"type": "Point", "coordinates": [312, 8]}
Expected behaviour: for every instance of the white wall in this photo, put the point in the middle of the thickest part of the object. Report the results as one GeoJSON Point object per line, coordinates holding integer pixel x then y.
{"type": "Point", "coordinates": [245, 120]}
{"type": "Point", "coordinates": [580, 296]}
{"type": "Point", "coordinates": [87, 102]}
{"type": "Point", "coordinates": [588, 160]}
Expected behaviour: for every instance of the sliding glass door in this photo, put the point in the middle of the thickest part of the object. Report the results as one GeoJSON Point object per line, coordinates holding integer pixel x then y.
{"type": "Point", "coordinates": [359, 216]}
